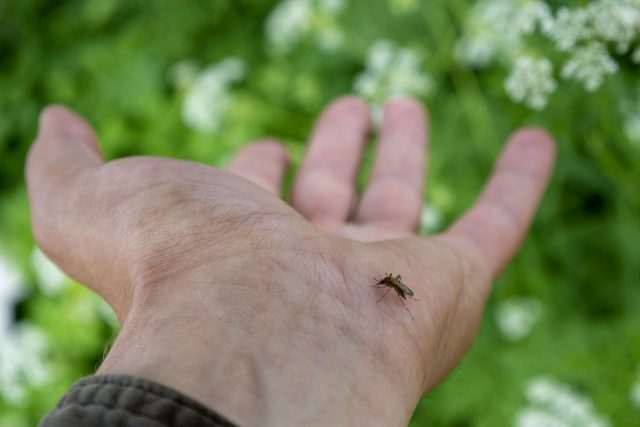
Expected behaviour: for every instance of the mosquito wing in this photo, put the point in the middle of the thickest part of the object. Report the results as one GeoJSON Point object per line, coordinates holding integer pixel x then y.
{"type": "Point", "coordinates": [404, 288]}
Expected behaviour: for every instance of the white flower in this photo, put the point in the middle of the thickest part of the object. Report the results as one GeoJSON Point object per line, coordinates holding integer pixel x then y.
{"type": "Point", "coordinates": [589, 65]}
{"type": "Point", "coordinates": [292, 20]}
{"type": "Point", "coordinates": [208, 98]}
{"type": "Point", "coordinates": [531, 82]}
{"type": "Point", "coordinates": [287, 23]}
{"type": "Point", "coordinates": [516, 317]}
{"type": "Point", "coordinates": [10, 292]}
{"type": "Point", "coordinates": [50, 278]}
{"type": "Point", "coordinates": [495, 29]}
{"type": "Point", "coordinates": [391, 71]}
{"type": "Point", "coordinates": [616, 21]}
{"type": "Point", "coordinates": [477, 50]}
{"type": "Point", "coordinates": [570, 27]}
{"type": "Point", "coordinates": [530, 14]}
{"type": "Point", "coordinates": [23, 362]}
{"type": "Point", "coordinates": [537, 418]}
{"type": "Point", "coordinates": [551, 403]}
{"type": "Point", "coordinates": [430, 219]}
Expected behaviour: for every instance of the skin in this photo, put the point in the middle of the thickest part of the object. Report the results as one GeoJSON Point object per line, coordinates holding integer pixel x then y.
{"type": "Point", "coordinates": [265, 311]}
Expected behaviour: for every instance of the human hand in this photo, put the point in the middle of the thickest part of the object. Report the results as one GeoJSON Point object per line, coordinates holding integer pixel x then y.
{"type": "Point", "coordinates": [265, 311]}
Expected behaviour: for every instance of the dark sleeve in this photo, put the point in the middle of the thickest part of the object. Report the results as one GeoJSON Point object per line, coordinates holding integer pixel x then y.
{"type": "Point", "coordinates": [124, 401]}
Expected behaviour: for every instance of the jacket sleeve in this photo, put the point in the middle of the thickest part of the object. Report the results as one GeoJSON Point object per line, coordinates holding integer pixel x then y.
{"type": "Point", "coordinates": [124, 401]}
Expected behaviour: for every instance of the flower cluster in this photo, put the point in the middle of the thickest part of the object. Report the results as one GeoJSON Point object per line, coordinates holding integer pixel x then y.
{"type": "Point", "coordinates": [590, 64]}
{"type": "Point", "coordinates": [292, 20]}
{"type": "Point", "coordinates": [391, 70]}
{"type": "Point", "coordinates": [612, 21]}
{"type": "Point", "coordinates": [23, 362]}
{"type": "Point", "coordinates": [497, 30]}
{"type": "Point", "coordinates": [209, 94]}
{"type": "Point", "coordinates": [553, 404]}
{"type": "Point", "coordinates": [10, 291]}
{"type": "Point", "coordinates": [531, 81]}
{"type": "Point", "coordinates": [516, 317]}
{"type": "Point", "coordinates": [430, 219]}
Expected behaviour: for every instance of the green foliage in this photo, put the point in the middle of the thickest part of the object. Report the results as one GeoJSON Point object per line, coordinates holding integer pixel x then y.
{"type": "Point", "coordinates": [112, 61]}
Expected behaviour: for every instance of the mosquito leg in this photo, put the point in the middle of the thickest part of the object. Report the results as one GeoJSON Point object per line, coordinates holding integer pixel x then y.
{"type": "Point", "coordinates": [385, 294]}
{"type": "Point", "coordinates": [405, 307]}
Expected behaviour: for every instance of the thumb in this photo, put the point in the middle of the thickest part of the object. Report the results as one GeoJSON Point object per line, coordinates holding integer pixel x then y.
{"type": "Point", "coordinates": [59, 174]}
{"type": "Point", "coordinates": [65, 147]}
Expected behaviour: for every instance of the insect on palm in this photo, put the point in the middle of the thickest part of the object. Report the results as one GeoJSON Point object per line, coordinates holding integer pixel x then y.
{"type": "Point", "coordinates": [395, 283]}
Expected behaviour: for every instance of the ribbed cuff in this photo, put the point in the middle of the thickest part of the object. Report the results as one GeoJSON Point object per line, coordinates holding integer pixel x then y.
{"type": "Point", "coordinates": [125, 401]}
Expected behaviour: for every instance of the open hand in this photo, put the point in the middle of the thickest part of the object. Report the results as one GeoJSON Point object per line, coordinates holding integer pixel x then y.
{"type": "Point", "coordinates": [266, 311]}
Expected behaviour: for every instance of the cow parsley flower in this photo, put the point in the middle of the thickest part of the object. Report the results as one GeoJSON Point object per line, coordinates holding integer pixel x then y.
{"type": "Point", "coordinates": [23, 362]}
{"type": "Point", "coordinates": [287, 23]}
{"type": "Point", "coordinates": [531, 14]}
{"type": "Point", "coordinates": [551, 403]}
{"type": "Point", "coordinates": [476, 50]}
{"type": "Point", "coordinates": [391, 70]}
{"type": "Point", "coordinates": [531, 82]}
{"type": "Point", "coordinates": [569, 27]}
{"type": "Point", "coordinates": [616, 21]}
{"type": "Point", "coordinates": [589, 65]}
{"type": "Point", "coordinates": [516, 317]}
{"type": "Point", "coordinates": [10, 291]}
{"type": "Point", "coordinates": [291, 20]}
{"type": "Point", "coordinates": [209, 96]}
{"type": "Point", "coordinates": [495, 29]}
{"type": "Point", "coordinates": [501, 30]}
{"type": "Point", "coordinates": [430, 219]}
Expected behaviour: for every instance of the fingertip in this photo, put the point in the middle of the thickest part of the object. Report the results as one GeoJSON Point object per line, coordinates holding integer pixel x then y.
{"type": "Point", "coordinates": [535, 140]}
{"type": "Point", "coordinates": [65, 143]}
{"type": "Point", "coordinates": [349, 105]}
{"type": "Point", "coordinates": [262, 162]}
{"type": "Point", "coordinates": [407, 105]}
{"type": "Point", "coordinates": [408, 114]}
{"type": "Point", "coordinates": [271, 149]}
{"type": "Point", "coordinates": [532, 149]}
{"type": "Point", "coordinates": [58, 121]}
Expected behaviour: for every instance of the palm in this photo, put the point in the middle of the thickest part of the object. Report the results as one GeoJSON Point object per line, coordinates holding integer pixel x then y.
{"type": "Point", "coordinates": [451, 272]}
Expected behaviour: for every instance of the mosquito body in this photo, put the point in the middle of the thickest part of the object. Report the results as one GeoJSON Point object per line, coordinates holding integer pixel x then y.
{"type": "Point", "coordinates": [396, 284]}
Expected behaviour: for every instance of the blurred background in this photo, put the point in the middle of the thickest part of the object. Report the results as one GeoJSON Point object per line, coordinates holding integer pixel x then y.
{"type": "Point", "coordinates": [560, 341]}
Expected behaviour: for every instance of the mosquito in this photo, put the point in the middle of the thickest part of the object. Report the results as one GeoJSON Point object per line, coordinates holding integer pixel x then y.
{"type": "Point", "coordinates": [396, 284]}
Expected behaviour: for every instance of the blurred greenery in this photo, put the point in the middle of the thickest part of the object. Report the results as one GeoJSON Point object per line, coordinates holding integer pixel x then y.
{"type": "Point", "coordinates": [112, 61]}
